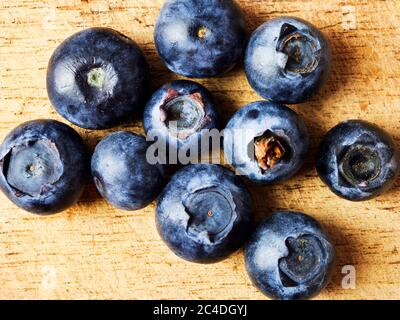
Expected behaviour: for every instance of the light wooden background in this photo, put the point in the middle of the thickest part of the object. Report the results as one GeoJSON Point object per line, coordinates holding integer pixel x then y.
{"type": "Point", "coordinates": [93, 251]}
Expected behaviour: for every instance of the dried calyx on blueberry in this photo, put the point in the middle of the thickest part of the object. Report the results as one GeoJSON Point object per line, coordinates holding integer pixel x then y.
{"type": "Point", "coordinates": [266, 142]}
{"type": "Point", "coordinates": [287, 60]}
{"type": "Point", "coordinates": [301, 50]}
{"type": "Point", "coordinates": [358, 160]}
{"type": "Point", "coordinates": [268, 150]}
{"type": "Point", "coordinates": [209, 221]}
{"type": "Point", "coordinates": [290, 256]}
{"type": "Point", "coordinates": [360, 165]}
{"type": "Point", "coordinates": [183, 114]}
{"type": "Point", "coordinates": [43, 166]}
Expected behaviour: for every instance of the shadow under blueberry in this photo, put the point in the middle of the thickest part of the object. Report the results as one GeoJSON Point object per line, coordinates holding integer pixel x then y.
{"type": "Point", "coordinates": [316, 133]}
{"type": "Point", "coordinates": [343, 68]}
{"type": "Point", "coordinates": [159, 73]}
{"type": "Point", "coordinates": [254, 17]}
{"type": "Point", "coordinates": [263, 204]}
{"type": "Point", "coordinates": [226, 107]}
{"type": "Point", "coordinates": [91, 195]}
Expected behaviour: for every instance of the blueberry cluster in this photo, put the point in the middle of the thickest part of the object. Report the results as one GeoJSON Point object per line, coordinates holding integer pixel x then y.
{"type": "Point", "coordinates": [99, 78]}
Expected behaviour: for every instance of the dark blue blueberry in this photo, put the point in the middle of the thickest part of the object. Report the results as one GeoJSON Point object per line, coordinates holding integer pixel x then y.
{"type": "Point", "coordinates": [290, 257]}
{"type": "Point", "coordinates": [287, 60]}
{"type": "Point", "coordinates": [178, 116]}
{"type": "Point", "coordinates": [97, 78]}
{"type": "Point", "coordinates": [122, 173]}
{"type": "Point", "coordinates": [205, 213]}
{"type": "Point", "coordinates": [200, 39]}
{"type": "Point", "coordinates": [358, 160]}
{"type": "Point", "coordinates": [43, 166]}
{"type": "Point", "coordinates": [266, 141]}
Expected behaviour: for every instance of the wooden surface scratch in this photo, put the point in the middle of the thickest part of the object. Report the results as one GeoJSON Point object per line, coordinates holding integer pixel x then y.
{"type": "Point", "coordinates": [94, 251]}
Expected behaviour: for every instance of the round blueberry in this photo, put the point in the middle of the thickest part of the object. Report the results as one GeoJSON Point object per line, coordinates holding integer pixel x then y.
{"type": "Point", "coordinates": [265, 141]}
{"type": "Point", "coordinates": [97, 78]}
{"type": "Point", "coordinates": [358, 160]}
{"type": "Point", "coordinates": [122, 173]}
{"type": "Point", "coordinates": [43, 166]}
{"type": "Point", "coordinates": [287, 60]}
{"type": "Point", "coordinates": [200, 39]}
{"type": "Point", "coordinates": [290, 257]}
{"type": "Point", "coordinates": [178, 116]}
{"type": "Point", "coordinates": [205, 213]}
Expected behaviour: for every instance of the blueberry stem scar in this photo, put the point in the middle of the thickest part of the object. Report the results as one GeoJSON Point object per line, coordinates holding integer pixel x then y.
{"type": "Point", "coordinates": [268, 151]}
{"type": "Point", "coordinates": [96, 78]}
{"type": "Point", "coordinates": [202, 32]}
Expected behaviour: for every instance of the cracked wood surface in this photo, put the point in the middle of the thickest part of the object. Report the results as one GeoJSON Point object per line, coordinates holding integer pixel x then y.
{"type": "Point", "coordinates": [95, 251]}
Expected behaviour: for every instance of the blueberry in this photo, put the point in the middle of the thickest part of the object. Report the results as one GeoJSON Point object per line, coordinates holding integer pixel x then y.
{"type": "Point", "coordinates": [358, 160]}
{"type": "Point", "coordinates": [205, 213]}
{"type": "Point", "coordinates": [97, 78]}
{"type": "Point", "coordinates": [287, 60]}
{"type": "Point", "coordinates": [122, 173]}
{"type": "Point", "coordinates": [43, 166]}
{"type": "Point", "coordinates": [290, 256]}
{"type": "Point", "coordinates": [266, 141]}
{"type": "Point", "coordinates": [200, 39]}
{"type": "Point", "coordinates": [179, 115]}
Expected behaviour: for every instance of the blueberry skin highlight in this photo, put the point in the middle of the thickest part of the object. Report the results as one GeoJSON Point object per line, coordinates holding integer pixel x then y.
{"type": "Point", "coordinates": [287, 60]}
{"type": "Point", "coordinates": [200, 39]}
{"type": "Point", "coordinates": [266, 121]}
{"type": "Point", "coordinates": [290, 257]}
{"type": "Point", "coordinates": [358, 160]}
{"type": "Point", "coordinates": [122, 174]}
{"type": "Point", "coordinates": [187, 103]}
{"type": "Point", "coordinates": [204, 214]}
{"type": "Point", "coordinates": [43, 166]}
{"type": "Point", "coordinates": [97, 78]}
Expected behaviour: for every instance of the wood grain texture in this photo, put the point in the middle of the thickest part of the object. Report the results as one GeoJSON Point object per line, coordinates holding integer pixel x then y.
{"type": "Point", "coordinates": [93, 251]}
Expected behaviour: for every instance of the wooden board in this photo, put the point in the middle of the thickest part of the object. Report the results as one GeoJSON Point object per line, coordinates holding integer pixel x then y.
{"type": "Point", "coordinates": [94, 251]}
